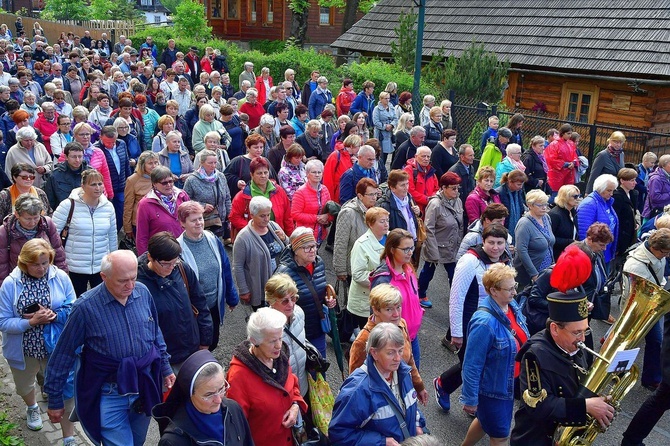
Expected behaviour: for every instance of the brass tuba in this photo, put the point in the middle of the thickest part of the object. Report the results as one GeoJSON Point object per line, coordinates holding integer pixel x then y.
{"type": "Point", "coordinates": [645, 305]}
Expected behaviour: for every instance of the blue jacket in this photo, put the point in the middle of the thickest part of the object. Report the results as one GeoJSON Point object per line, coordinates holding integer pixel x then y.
{"type": "Point", "coordinates": [363, 104]}
{"type": "Point", "coordinates": [288, 265]}
{"type": "Point", "coordinates": [350, 179]}
{"type": "Point", "coordinates": [13, 325]}
{"type": "Point", "coordinates": [362, 415]}
{"type": "Point", "coordinates": [596, 210]}
{"type": "Point", "coordinates": [488, 366]}
{"type": "Point", "coordinates": [118, 178]}
{"type": "Point", "coordinates": [317, 102]}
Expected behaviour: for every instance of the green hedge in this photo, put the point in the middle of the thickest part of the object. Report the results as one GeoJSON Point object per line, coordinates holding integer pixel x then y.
{"type": "Point", "coordinates": [302, 61]}
{"type": "Point", "coordinates": [268, 46]}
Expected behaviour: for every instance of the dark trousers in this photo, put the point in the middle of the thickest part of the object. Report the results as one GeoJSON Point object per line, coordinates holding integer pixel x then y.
{"type": "Point", "coordinates": [117, 202]}
{"type": "Point", "coordinates": [452, 379]}
{"type": "Point", "coordinates": [651, 366]}
{"type": "Point", "coordinates": [216, 321]}
{"type": "Point", "coordinates": [428, 272]}
{"type": "Point", "coordinates": [647, 416]}
{"type": "Point", "coordinates": [80, 282]}
{"type": "Point", "coordinates": [331, 232]}
{"type": "Point", "coordinates": [349, 323]}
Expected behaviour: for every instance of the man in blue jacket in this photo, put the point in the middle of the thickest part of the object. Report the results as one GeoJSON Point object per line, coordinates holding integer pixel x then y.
{"type": "Point", "coordinates": [365, 102]}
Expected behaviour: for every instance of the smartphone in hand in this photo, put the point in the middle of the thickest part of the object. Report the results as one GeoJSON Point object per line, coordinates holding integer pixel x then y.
{"type": "Point", "coordinates": [32, 308]}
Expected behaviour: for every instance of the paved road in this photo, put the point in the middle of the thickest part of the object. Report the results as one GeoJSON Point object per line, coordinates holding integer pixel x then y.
{"type": "Point", "coordinates": [451, 427]}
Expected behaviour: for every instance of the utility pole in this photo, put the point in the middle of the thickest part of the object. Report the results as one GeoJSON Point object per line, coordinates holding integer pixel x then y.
{"type": "Point", "coordinates": [416, 98]}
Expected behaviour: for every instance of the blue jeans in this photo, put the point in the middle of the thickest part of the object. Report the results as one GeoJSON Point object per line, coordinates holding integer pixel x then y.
{"type": "Point", "coordinates": [428, 272]}
{"type": "Point", "coordinates": [651, 366]}
{"type": "Point", "coordinates": [119, 422]}
{"type": "Point", "coordinates": [416, 352]}
{"type": "Point", "coordinates": [117, 202]}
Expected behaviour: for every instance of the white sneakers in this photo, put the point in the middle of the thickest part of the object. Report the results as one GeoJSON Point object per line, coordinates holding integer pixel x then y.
{"type": "Point", "coordinates": [34, 418]}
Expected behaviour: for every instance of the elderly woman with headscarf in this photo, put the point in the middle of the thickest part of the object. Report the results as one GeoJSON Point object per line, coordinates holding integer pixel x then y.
{"type": "Point", "coordinates": [28, 150]}
{"type": "Point", "coordinates": [385, 383]}
{"type": "Point", "coordinates": [308, 271]}
{"type": "Point", "coordinates": [262, 383]}
{"type": "Point", "coordinates": [197, 410]}
{"type": "Point", "coordinates": [27, 223]}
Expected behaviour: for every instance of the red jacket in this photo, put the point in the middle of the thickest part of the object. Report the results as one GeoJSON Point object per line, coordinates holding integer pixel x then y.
{"type": "Point", "coordinates": [337, 163]}
{"type": "Point", "coordinates": [46, 128]}
{"type": "Point", "coordinates": [254, 111]}
{"type": "Point", "coordinates": [206, 65]}
{"type": "Point", "coordinates": [260, 86]}
{"type": "Point", "coordinates": [344, 100]}
{"type": "Point", "coordinates": [305, 207]}
{"type": "Point", "coordinates": [281, 208]}
{"type": "Point", "coordinates": [423, 183]}
{"type": "Point", "coordinates": [264, 404]}
{"type": "Point", "coordinates": [557, 154]}
{"type": "Point", "coordinates": [477, 201]}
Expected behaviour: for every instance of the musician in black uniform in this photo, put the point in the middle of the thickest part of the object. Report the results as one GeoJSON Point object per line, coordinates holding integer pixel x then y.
{"type": "Point", "coordinates": [551, 368]}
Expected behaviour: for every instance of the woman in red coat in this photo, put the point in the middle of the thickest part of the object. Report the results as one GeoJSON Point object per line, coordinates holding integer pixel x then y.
{"type": "Point", "coordinates": [261, 185]}
{"type": "Point", "coordinates": [262, 382]}
{"type": "Point", "coordinates": [263, 85]}
{"type": "Point", "coordinates": [253, 107]}
{"type": "Point", "coordinates": [309, 200]}
{"type": "Point", "coordinates": [339, 162]}
{"type": "Point", "coordinates": [562, 160]}
{"type": "Point", "coordinates": [423, 183]}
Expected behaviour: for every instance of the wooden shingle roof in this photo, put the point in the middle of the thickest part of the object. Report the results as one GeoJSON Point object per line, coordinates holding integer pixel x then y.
{"type": "Point", "coordinates": [610, 36]}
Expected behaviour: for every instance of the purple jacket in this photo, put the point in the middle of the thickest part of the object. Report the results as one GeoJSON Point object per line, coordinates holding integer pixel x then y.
{"type": "Point", "coordinates": [153, 217]}
{"type": "Point", "coordinates": [658, 192]}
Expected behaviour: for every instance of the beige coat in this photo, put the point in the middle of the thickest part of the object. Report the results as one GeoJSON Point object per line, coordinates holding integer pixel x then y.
{"type": "Point", "coordinates": [365, 258]}
{"type": "Point", "coordinates": [444, 229]}
{"type": "Point", "coordinates": [17, 154]}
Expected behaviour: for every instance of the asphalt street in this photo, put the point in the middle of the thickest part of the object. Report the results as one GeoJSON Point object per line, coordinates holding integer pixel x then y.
{"type": "Point", "coordinates": [450, 427]}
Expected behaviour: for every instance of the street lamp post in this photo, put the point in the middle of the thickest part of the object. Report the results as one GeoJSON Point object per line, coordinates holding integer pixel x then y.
{"type": "Point", "coordinates": [416, 98]}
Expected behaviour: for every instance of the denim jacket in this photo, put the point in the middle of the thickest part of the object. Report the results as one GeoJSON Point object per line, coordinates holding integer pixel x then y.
{"type": "Point", "coordinates": [488, 366]}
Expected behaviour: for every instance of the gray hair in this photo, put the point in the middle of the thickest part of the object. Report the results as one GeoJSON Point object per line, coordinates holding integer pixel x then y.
{"type": "Point", "coordinates": [252, 92]}
{"type": "Point", "coordinates": [321, 79]}
{"type": "Point", "coordinates": [206, 373]}
{"type": "Point", "coordinates": [419, 149]}
{"type": "Point", "coordinates": [25, 133]}
{"type": "Point", "coordinates": [313, 163]}
{"type": "Point", "coordinates": [312, 124]}
{"type": "Point", "coordinates": [245, 83]}
{"type": "Point", "coordinates": [258, 204]}
{"type": "Point", "coordinates": [262, 320]}
{"type": "Point", "coordinates": [367, 150]}
{"type": "Point", "coordinates": [202, 156]}
{"type": "Point", "coordinates": [248, 64]}
{"type": "Point", "coordinates": [267, 119]}
{"type": "Point", "coordinates": [107, 263]}
{"type": "Point", "coordinates": [663, 161]}
{"type": "Point", "coordinates": [48, 105]}
{"type": "Point", "coordinates": [600, 183]}
{"type": "Point", "coordinates": [383, 334]}
{"type": "Point", "coordinates": [28, 204]}
{"type": "Point", "coordinates": [421, 440]}
{"type": "Point", "coordinates": [416, 130]}
{"type": "Point", "coordinates": [173, 134]}
{"type": "Point", "coordinates": [118, 122]}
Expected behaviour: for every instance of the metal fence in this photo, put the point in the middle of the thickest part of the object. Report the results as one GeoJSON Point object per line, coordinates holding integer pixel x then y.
{"type": "Point", "coordinates": [472, 119]}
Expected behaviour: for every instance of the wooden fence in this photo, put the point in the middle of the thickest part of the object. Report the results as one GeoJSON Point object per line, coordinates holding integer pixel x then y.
{"type": "Point", "coordinates": [52, 30]}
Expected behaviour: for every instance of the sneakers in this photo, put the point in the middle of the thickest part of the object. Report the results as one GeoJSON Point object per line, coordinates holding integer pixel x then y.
{"type": "Point", "coordinates": [425, 302]}
{"type": "Point", "coordinates": [441, 396]}
{"type": "Point", "coordinates": [446, 342]}
{"type": "Point", "coordinates": [33, 418]}
{"type": "Point", "coordinates": [70, 442]}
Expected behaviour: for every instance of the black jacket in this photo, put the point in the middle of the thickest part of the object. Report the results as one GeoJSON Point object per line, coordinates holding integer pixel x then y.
{"type": "Point", "coordinates": [405, 151]}
{"type": "Point", "coordinates": [184, 332]}
{"type": "Point", "coordinates": [467, 180]}
{"type": "Point", "coordinates": [563, 228]}
{"type": "Point", "coordinates": [441, 160]}
{"type": "Point", "coordinates": [396, 220]}
{"type": "Point", "coordinates": [62, 181]}
{"type": "Point", "coordinates": [534, 171]}
{"type": "Point", "coordinates": [535, 426]}
{"type": "Point", "coordinates": [625, 207]}
{"type": "Point", "coordinates": [603, 163]}
{"type": "Point", "coordinates": [433, 134]}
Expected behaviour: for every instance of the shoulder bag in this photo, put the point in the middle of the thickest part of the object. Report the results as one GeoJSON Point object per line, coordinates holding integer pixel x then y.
{"type": "Point", "coordinates": [315, 362]}
{"type": "Point", "coordinates": [65, 232]}
{"type": "Point", "coordinates": [322, 309]}
{"type": "Point", "coordinates": [188, 289]}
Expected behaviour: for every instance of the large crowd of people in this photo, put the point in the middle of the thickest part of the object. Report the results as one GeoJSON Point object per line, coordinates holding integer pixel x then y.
{"type": "Point", "coordinates": [144, 195]}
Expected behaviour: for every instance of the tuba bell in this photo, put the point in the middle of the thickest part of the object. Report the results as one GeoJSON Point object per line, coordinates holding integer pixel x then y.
{"type": "Point", "coordinates": [645, 305]}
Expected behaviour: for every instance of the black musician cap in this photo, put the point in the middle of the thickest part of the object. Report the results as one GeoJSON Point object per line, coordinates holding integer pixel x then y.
{"type": "Point", "coordinates": [568, 307]}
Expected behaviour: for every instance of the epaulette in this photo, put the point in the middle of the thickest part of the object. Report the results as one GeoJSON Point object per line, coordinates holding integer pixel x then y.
{"type": "Point", "coordinates": [534, 393]}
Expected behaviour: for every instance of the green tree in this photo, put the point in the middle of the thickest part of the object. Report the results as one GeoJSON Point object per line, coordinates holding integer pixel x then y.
{"type": "Point", "coordinates": [171, 5]}
{"type": "Point", "coordinates": [190, 21]}
{"type": "Point", "coordinates": [300, 9]}
{"type": "Point", "coordinates": [66, 10]}
{"type": "Point", "coordinates": [404, 50]}
{"type": "Point", "coordinates": [118, 9]}
{"type": "Point", "coordinates": [476, 74]}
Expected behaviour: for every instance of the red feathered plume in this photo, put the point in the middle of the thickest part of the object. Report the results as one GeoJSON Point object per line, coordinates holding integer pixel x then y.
{"type": "Point", "coordinates": [572, 269]}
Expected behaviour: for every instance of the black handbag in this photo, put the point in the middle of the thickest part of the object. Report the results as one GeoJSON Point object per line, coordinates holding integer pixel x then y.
{"type": "Point", "coordinates": [315, 362]}
{"type": "Point", "coordinates": [311, 437]}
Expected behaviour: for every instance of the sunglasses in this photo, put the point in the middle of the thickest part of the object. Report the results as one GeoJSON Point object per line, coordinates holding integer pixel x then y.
{"type": "Point", "coordinates": [27, 177]}
{"type": "Point", "coordinates": [576, 197]}
{"type": "Point", "coordinates": [166, 183]}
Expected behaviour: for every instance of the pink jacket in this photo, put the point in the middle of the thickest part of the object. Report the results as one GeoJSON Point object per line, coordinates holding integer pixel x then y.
{"type": "Point", "coordinates": [305, 208]}
{"type": "Point", "coordinates": [477, 201]}
{"type": "Point", "coordinates": [153, 217]}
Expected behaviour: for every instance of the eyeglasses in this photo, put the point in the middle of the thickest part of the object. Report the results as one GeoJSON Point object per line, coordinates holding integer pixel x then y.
{"type": "Point", "coordinates": [511, 289]}
{"type": "Point", "coordinates": [122, 127]}
{"type": "Point", "coordinates": [221, 392]}
{"type": "Point", "coordinates": [541, 205]}
{"type": "Point", "coordinates": [84, 135]}
{"type": "Point", "coordinates": [27, 177]}
{"type": "Point", "coordinates": [310, 248]}
{"type": "Point", "coordinates": [576, 197]}
{"type": "Point", "coordinates": [169, 265]}
{"type": "Point", "coordinates": [166, 183]}
{"type": "Point", "coordinates": [64, 124]}
{"type": "Point", "coordinates": [579, 333]}
{"type": "Point", "coordinates": [407, 250]}
{"type": "Point", "coordinates": [371, 194]}
{"type": "Point", "coordinates": [454, 187]}
{"type": "Point", "coordinates": [286, 300]}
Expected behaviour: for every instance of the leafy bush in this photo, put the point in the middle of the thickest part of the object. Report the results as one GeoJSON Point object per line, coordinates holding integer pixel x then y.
{"type": "Point", "coordinates": [6, 428]}
{"type": "Point", "coordinates": [381, 73]}
{"type": "Point", "coordinates": [268, 46]}
{"type": "Point", "coordinates": [190, 20]}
